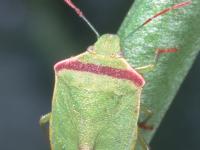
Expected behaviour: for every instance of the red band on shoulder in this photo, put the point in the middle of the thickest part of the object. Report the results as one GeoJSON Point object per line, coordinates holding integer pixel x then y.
{"type": "Point", "coordinates": [74, 64]}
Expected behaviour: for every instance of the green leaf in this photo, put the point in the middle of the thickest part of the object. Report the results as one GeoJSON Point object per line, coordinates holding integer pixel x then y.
{"type": "Point", "coordinates": [176, 29]}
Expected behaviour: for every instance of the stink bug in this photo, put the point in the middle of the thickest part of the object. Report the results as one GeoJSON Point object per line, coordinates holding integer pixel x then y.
{"type": "Point", "coordinates": [96, 101]}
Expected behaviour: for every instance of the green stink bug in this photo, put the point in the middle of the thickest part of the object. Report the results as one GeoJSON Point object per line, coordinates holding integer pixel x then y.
{"type": "Point", "coordinates": [96, 101]}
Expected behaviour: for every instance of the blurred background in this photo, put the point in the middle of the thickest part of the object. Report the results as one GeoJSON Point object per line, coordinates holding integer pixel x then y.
{"type": "Point", "coordinates": [34, 35]}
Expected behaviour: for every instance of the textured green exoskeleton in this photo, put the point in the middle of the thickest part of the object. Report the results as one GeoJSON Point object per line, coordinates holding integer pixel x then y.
{"type": "Point", "coordinates": [96, 101]}
{"type": "Point", "coordinates": [91, 111]}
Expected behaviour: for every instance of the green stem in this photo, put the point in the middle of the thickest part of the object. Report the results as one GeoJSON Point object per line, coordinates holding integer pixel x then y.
{"type": "Point", "coordinates": [177, 29]}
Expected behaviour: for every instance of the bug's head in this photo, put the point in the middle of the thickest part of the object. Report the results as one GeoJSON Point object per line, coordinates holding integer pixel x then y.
{"type": "Point", "coordinates": [108, 45]}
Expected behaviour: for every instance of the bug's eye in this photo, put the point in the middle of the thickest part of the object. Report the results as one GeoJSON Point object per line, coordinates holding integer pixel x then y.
{"type": "Point", "coordinates": [120, 54]}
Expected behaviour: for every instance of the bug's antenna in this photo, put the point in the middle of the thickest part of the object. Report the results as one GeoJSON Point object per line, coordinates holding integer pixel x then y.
{"type": "Point", "coordinates": [80, 14]}
{"type": "Point", "coordinates": [162, 12]}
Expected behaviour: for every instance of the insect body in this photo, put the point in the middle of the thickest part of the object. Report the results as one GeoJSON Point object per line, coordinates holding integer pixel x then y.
{"type": "Point", "coordinates": [96, 101]}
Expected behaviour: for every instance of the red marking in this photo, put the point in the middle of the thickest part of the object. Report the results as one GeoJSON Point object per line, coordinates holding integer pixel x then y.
{"type": "Point", "coordinates": [74, 64]}
{"type": "Point", "coordinates": [176, 6]}
{"type": "Point", "coordinates": [77, 10]}
{"type": "Point", "coordinates": [170, 50]}
{"type": "Point", "coordinates": [145, 126]}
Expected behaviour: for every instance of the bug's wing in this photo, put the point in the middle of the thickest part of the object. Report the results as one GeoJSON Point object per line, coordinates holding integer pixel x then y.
{"type": "Point", "coordinates": [63, 131]}
{"type": "Point", "coordinates": [93, 111]}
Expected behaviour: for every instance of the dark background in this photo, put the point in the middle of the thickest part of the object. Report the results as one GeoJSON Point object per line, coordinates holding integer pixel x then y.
{"type": "Point", "coordinates": [34, 35]}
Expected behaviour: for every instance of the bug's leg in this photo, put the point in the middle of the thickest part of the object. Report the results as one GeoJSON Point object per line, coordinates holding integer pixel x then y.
{"type": "Point", "coordinates": [143, 124]}
{"type": "Point", "coordinates": [182, 11]}
{"type": "Point", "coordinates": [142, 141]}
{"type": "Point", "coordinates": [158, 52]}
{"type": "Point", "coordinates": [145, 69]}
{"type": "Point", "coordinates": [43, 121]}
